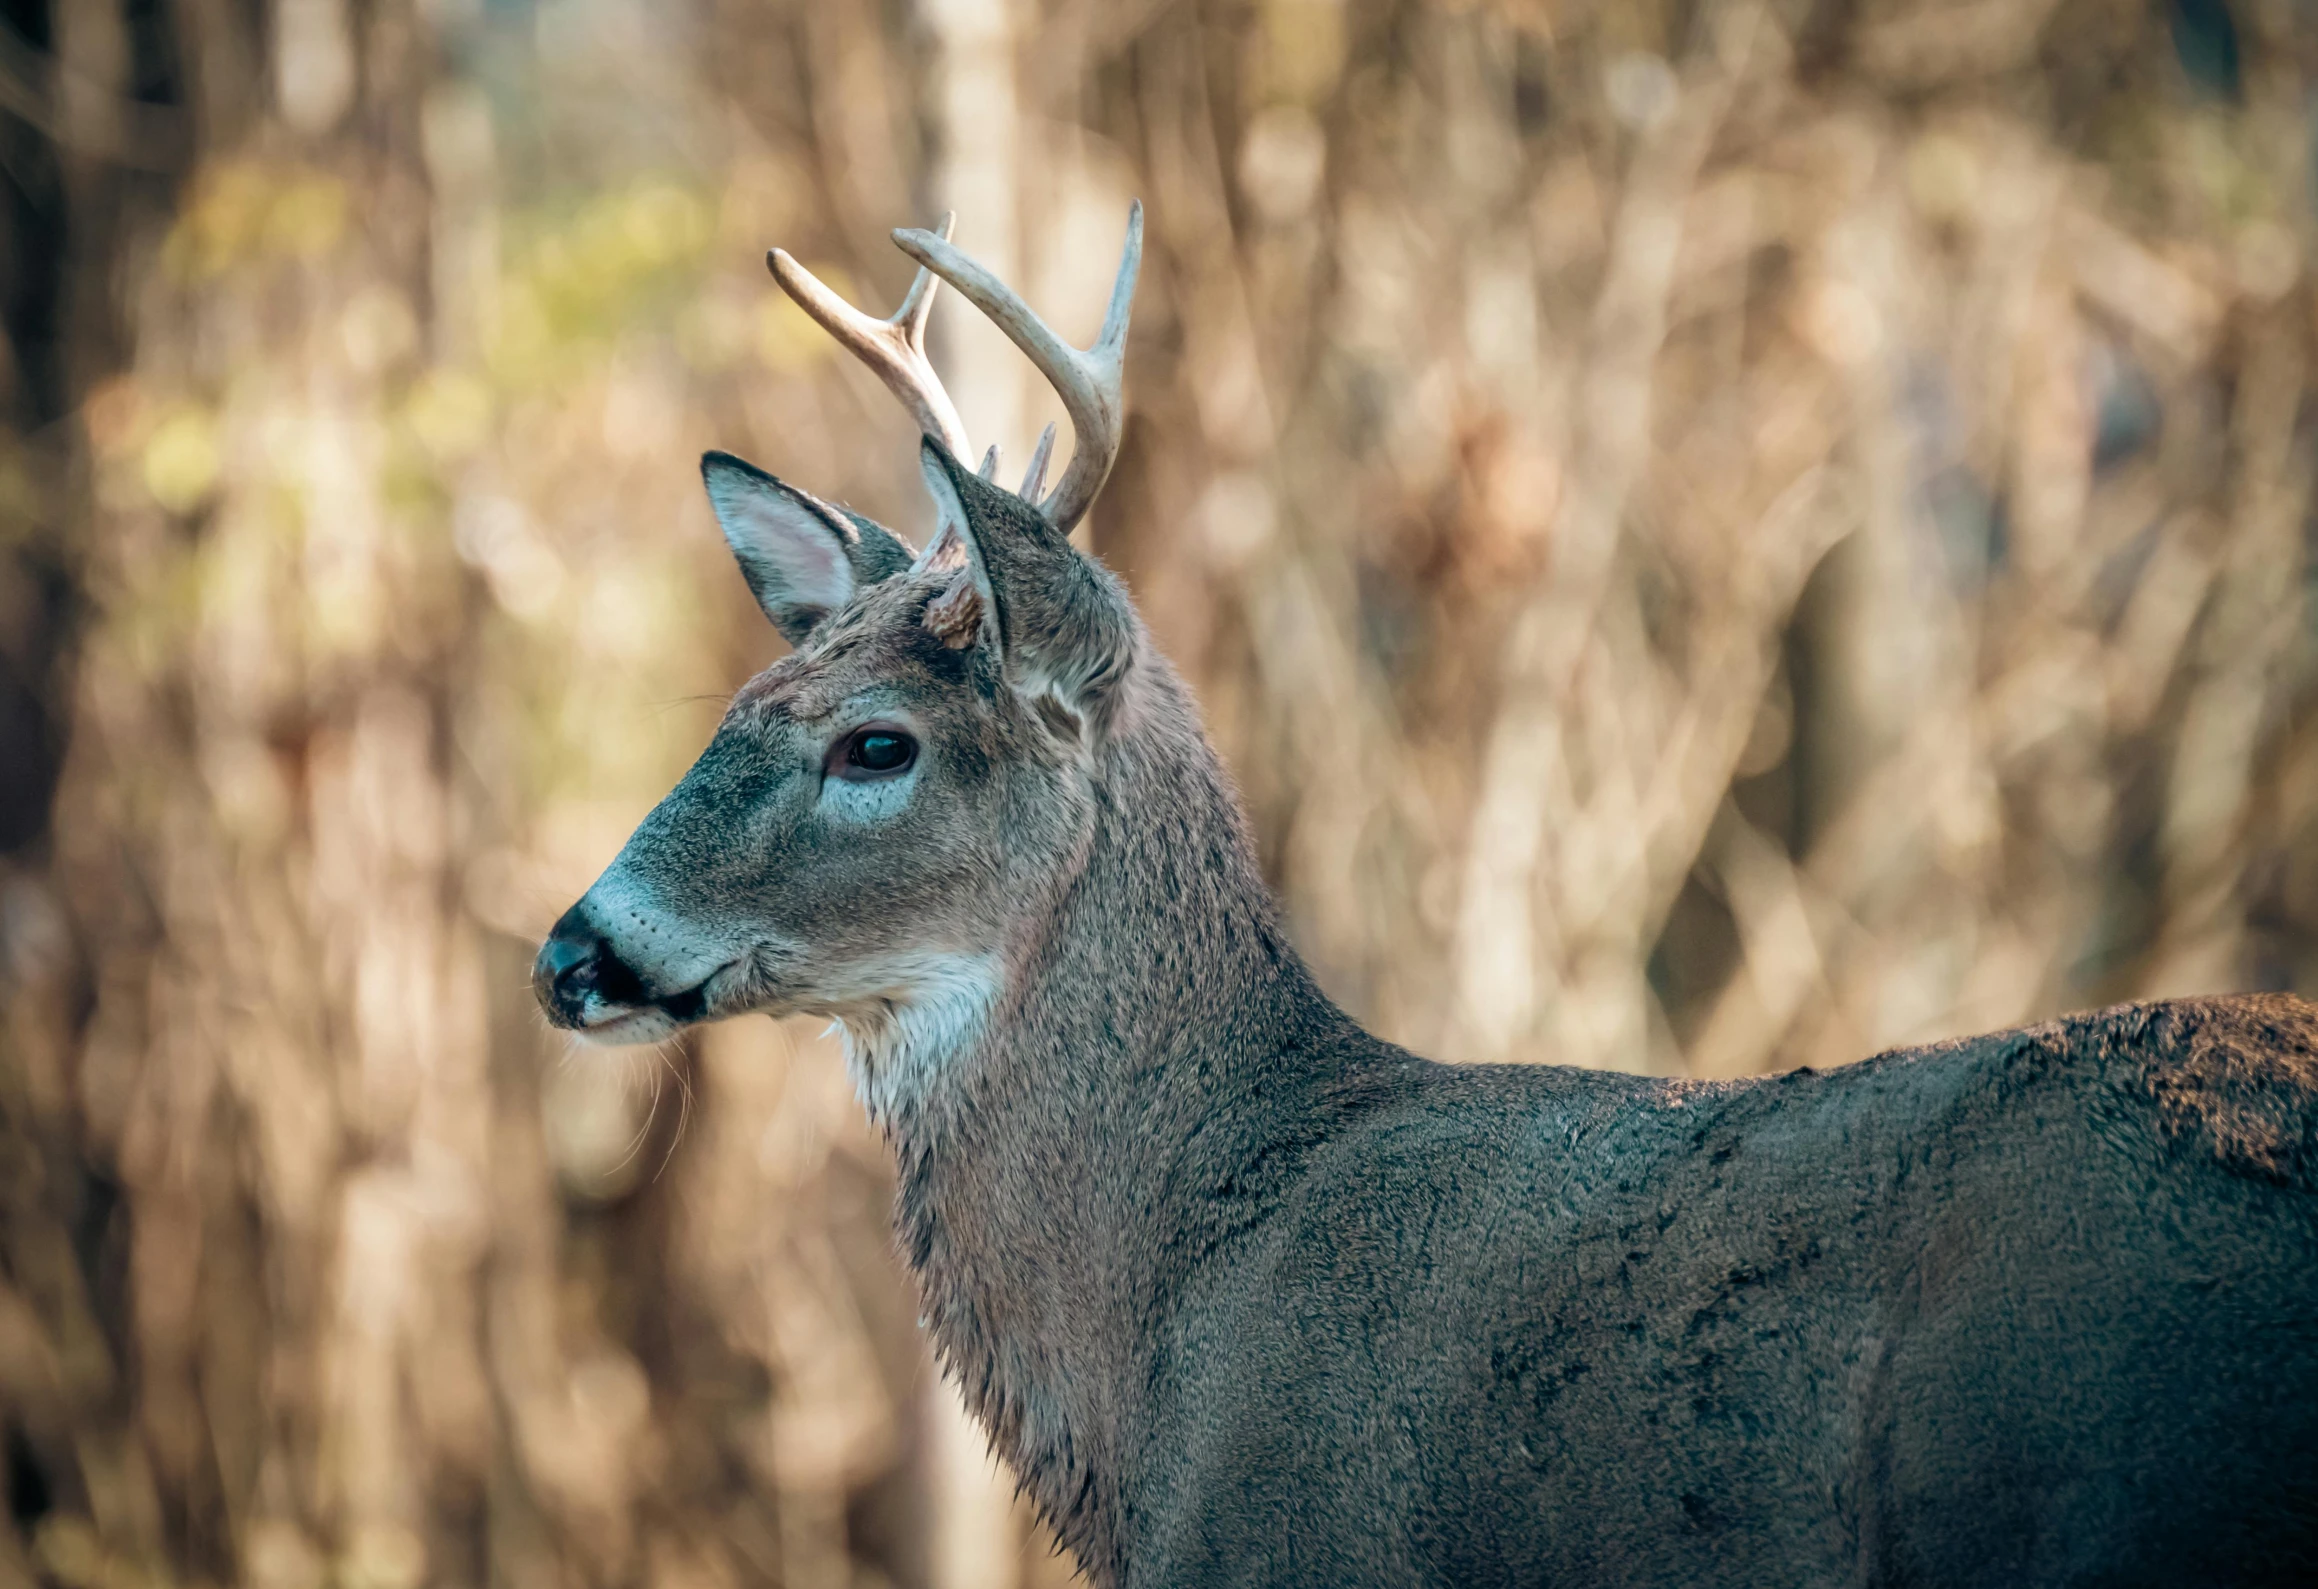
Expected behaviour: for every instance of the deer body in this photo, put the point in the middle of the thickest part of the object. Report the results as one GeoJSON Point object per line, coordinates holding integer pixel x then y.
{"type": "Point", "coordinates": [1248, 1296]}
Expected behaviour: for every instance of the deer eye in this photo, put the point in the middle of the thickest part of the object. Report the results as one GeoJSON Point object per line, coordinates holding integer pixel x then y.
{"type": "Point", "coordinates": [878, 751]}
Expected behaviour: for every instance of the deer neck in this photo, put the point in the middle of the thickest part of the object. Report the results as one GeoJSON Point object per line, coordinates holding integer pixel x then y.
{"type": "Point", "coordinates": [1154, 1063]}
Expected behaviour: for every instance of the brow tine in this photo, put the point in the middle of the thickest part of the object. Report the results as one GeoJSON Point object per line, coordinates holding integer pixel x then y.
{"type": "Point", "coordinates": [893, 348]}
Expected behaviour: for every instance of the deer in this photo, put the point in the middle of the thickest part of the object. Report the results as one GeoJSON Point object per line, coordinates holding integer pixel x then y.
{"type": "Point", "coordinates": [1245, 1295]}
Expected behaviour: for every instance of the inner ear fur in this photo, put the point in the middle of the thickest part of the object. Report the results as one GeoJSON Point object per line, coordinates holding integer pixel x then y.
{"type": "Point", "coordinates": [803, 558]}
{"type": "Point", "coordinates": [956, 615]}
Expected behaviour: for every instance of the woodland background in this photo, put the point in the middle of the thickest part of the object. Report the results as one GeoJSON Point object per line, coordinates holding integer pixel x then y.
{"type": "Point", "coordinates": [1714, 534]}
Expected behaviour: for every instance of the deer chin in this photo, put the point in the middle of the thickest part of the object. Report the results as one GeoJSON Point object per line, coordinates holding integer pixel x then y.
{"type": "Point", "coordinates": [626, 1026]}
{"type": "Point", "coordinates": [908, 1020]}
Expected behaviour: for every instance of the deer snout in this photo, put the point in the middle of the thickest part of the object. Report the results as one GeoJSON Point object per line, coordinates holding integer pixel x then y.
{"type": "Point", "coordinates": [578, 963]}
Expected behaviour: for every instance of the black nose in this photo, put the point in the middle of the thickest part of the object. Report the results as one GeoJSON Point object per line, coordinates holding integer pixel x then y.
{"type": "Point", "coordinates": [575, 962]}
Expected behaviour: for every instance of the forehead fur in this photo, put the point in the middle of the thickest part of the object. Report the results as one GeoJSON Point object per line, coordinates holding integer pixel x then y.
{"type": "Point", "coordinates": [881, 635]}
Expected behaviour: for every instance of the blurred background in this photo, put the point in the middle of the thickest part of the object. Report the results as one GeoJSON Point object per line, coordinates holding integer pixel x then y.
{"type": "Point", "coordinates": [1714, 535]}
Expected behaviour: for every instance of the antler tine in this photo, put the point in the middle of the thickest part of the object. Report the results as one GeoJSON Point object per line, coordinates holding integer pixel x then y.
{"type": "Point", "coordinates": [895, 348]}
{"type": "Point", "coordinates": [1034, 478]}
{"type": "Point", "coordinates": [989, 470]}
{"type": "Point", "coordinates": [1088, 380]}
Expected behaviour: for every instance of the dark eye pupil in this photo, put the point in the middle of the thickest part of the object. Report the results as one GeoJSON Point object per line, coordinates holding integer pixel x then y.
{"type": "Point", "coordinates": [880, 752]}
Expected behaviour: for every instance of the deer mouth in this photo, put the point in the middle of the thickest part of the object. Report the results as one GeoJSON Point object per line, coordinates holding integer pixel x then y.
{"type": "Point", "coordinates": [585, 986]}
{"type": "Point", "coordinates": [613, 1022]}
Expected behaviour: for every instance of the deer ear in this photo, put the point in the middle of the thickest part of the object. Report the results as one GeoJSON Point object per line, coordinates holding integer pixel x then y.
{"type": "Point", "coordinates": [1062, 624]}
{"type": "Point", "coordinates": [803, 557]}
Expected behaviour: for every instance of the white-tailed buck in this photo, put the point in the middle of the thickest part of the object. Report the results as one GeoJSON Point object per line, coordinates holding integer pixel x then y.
{"type": "Point", "coordinates": [1248, 1296]}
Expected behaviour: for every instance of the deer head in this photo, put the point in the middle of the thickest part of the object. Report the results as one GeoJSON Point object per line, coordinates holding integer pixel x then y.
{"type": "Point", "coordinates": [881, 807]}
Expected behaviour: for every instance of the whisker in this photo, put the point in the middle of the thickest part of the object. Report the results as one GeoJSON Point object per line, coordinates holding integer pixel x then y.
{"type": "Point", "coordinates": [662, 707]}
{"type": "Point", "coordinates": [644, 1131]}
{"type": "Point", "coordinates": [683, 1105]}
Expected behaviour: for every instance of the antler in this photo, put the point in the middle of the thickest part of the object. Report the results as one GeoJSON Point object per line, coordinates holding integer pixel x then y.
{"type": "Point", "coordinates": [1088, 380]}
{"type": "Point", "coordinates": [1034, 478]}
{"type": "Point", "coordinates": [894, 348]}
